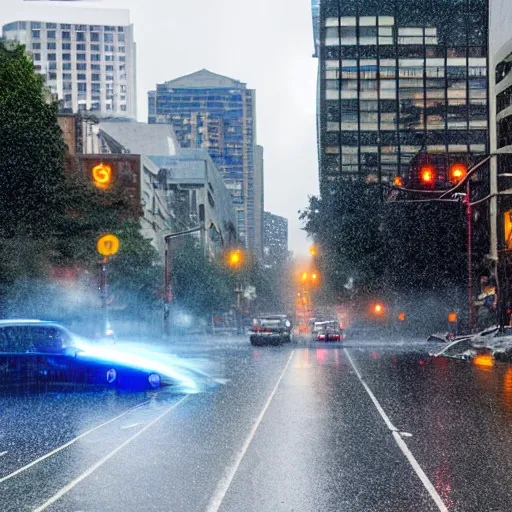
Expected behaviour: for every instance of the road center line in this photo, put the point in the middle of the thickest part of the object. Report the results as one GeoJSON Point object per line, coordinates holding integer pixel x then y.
{"type": "Point", "coordinates": [106, 458]}
{"type": "Point", "coordinates": [72, 441]}
{"type": "Point", "coordinates": [400, 442]}
{"type": "Point", "coordinates": [225, 483]}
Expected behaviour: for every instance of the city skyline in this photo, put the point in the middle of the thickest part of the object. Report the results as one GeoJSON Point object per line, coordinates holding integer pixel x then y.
{"type": "Point", "coordinates": [275, 62]}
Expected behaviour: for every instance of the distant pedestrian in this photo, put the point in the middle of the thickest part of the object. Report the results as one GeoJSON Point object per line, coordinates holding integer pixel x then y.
{"type": "Point", "coordinates": [486, 303]}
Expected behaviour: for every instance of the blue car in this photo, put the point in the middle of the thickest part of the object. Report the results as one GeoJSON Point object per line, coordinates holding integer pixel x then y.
{"type": "Point", "coordinates": [41, 353]}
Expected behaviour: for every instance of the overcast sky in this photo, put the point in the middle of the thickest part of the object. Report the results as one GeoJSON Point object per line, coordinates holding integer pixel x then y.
{"type": "Point", "coordinates": [265, 43]}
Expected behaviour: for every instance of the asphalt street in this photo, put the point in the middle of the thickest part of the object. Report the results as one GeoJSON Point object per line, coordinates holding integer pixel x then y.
{"type": "Point", "coordinates": [359, 426]}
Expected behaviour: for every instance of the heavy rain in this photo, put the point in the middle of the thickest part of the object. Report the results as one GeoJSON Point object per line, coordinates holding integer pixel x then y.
{"type": "Point", "coordinates": [255, 256]}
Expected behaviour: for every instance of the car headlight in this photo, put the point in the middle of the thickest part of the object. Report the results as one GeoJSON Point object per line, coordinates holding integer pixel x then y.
{"type": "Point", "coordinates": [154, 380]}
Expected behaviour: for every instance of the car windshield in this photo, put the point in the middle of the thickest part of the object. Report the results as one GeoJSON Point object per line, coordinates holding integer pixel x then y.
{"type": "Point", "coordinates": [30, 338]}
{"type": "Point", "coordinates": [229, 231]}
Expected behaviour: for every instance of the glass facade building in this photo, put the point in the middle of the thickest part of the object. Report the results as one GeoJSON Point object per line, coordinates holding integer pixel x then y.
{"type": "Point", "coordinates": [216, 113]}
{"type": "Point", "coordinates": [396, 78]}
{"type": "Point", "coordinates": [275, 240]}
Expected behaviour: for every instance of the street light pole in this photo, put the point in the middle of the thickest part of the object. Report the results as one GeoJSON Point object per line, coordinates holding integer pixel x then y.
{"type": "Point", "coordinates": [167, 267]}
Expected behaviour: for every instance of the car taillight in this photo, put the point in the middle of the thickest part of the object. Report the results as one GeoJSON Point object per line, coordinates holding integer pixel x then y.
{"type": "Point", "coordinates": [268, 330]}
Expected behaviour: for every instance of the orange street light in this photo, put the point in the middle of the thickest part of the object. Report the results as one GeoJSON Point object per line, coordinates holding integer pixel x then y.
{"type": "Point", "coordinates": [398, 181]}
{"type": "Point", "coordinates": [304, 276]}
{"type": "Point", "coordinates": [235, 258]}
{"type": "Point", "coordinates": [401, 317]}
{"type": "Point", "coordinates": [312, 250]}
{"type": "Point", "coordinates": [378, 309]}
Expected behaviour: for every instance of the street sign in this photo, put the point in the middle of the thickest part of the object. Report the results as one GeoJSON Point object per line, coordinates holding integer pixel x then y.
{"type": "Point", "coordinates": [108, 244]}
{"type": "Point", "coordinates": [250, 292]}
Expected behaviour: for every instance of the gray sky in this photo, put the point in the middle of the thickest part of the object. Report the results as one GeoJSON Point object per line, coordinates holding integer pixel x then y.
{"type": "Point", "coordinates": [267, 44]}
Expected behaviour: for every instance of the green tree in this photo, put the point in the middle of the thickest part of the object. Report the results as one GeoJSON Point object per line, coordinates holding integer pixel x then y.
{"type": "Point", "coordinates": [200, 286]}
{"type": "Point", "coordinates": [33, 150]}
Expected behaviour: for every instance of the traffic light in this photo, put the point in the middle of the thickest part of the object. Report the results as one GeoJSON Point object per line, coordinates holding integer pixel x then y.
{"type": "Point", "coordinates": [102, 175]}
{"type": "Point", "coordinates": [235, 258]}
{"type": "Point", "coordinates": [458, 172]}
{"type": "Point", "coordinates": [378, 309]}
{"type": "Point", "coordinates": [398, 181]}
{"type": "Point", "coordinates": [427, 175]}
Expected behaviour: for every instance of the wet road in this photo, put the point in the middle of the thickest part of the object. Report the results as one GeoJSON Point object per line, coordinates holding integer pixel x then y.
{"type": "Point", "coordinates": [360, 427]}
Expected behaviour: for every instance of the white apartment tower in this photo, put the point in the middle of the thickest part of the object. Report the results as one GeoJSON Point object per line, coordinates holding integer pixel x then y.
{"type": "Point", "coordinates": [87, 57]}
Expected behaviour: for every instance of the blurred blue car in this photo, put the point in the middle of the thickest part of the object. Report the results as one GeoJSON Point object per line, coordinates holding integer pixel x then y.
{"type": "Point", "coordinates": [41, 353]}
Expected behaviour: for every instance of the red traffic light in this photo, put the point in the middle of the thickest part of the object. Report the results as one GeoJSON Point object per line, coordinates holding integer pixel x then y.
{"type": "Point", "coordinates": [457, 172]}
{"type": "Point", "coordinates": [427, 174]}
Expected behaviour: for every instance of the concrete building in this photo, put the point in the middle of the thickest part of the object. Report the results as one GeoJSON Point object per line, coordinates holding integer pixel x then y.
{"type": "Point", "coordinates": [86, 56]}
{"type": "Point", "coordinates": [275, 248]}
{"type": "Point", "coordinates": [178, 186]}
{"type": "Point", "coordinates": [218, 114]}
{"type": "Point", "coordinates": [397, 78]}
{"type": "Point", "coordinates": [500, 90]}
{"type": "Point", "coordinates": [259, 195]}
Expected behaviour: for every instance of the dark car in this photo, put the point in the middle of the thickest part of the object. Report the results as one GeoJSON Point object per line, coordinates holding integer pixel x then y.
{"type": "Point", "coordinates": [271, 329]}
{"type": "Point", "coordinates": [41, 353]}
{"type": "Point", "coordinates": [328, 331]}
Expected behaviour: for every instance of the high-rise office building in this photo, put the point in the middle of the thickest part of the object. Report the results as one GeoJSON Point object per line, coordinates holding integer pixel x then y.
{"type": "Point", "coordinates": [275, 240]}
{"type": "Point", "coordinates": [87, 57]}
{"type": "Point", "coordinates": [216, 113]}
{"type": "Point", "coordinates": [397, 78]}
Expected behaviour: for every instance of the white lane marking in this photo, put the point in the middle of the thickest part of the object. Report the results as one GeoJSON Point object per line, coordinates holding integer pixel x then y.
{"type": "Point", "coordinates": [225, 483]}
{"type": "Point", "coordinates": [57, 496]}
{"type": "Point", "coordinates": [372, 396]}
{"type": "Point", "coordinates": [3, 453]}
{"type": "Point", "coordinates": [405, 434]}
{"type": "Point", "coordinates": [421, 474]}
{"type": "Point", "coordinates": [69, 443]}
{"type": "Point", "coordinates": [401, 443]}
{"type": "Point", "coordinates": [133, 425]}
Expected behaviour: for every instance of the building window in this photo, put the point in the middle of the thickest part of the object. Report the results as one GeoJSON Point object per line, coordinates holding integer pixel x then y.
{"type": "Point", "coordinates": [120, 38]}
{"type": "Point", "coordinates": [109, 67]}
{"type": "Point", "coordinates": [35, 24]}
{"type": "Point", "coordinates": [96, 57]}
{"type": "Point", "coordinates": [66, 66]}
{"type": "Point", "coordinates": [81, 56]}
{"type": "Point", "coordinates": [36, 46]}
{"type": "Point", "coordinates": [66, 76]}
{"type": "Point", "coordinates": [51, 46]}
{"type": "Point", "coordinates": [95, 36]}
{"type": "Point", "coordinates": [50, 34]}
{"type": "Point", "coordinates": [52, 76]}
{"type": "Point", "coordinates": [96, 67]}
{"type": "Point", "coordinates": [80, 27]}
{"type": "Point", "coordinates": [108, 38]}
{"type": "Point", "coordinates": [65, 26]}
{"type": "Point", "coordinates": [80, 36]}
{"type": "Point", "coordinates": [81, 76]}
{"type": "Point", "coordinates": [36, 34]}
{"type": "Point", "coordinates": [66, 56]}
{"type": "Point", "coordinates": [109, 47]}
{"type": "Point", "coordinates": [95, 48]}
{"type": "Point", "coordinates": [82, 87]}
{"type": "Point", "coordinates": [94, 28]}
{"type": "Point", "coordinates": [52, 56]}
{"type": "Point", "coordinates": [67, 86]}
{"type": "Point", "coordinates": [123, 108]}
{"type": "Point", "coordinates": [109, 58]}
{"type": "Point", "coordinates": [66, 46]}
{"type": "Point", "coordinates": [120, 29]}
{"type": "Point", "coordinates": [122, 58]}
{"type": "Point", "coordinates": [80, 47]}
{"type": "Point", "coordinates": [95, 77]}
{"type": "Point", "coordinates": [81, 67]}
{"type": "Point", "coordinates": [95, 88]}
{"type": "Point", "coordinates": [52, 65]}
{"type": "Point", "coordinates": [66, 35]}
{"type": "Point", "coordinates": [37, 57]}
{"type": "Point", "coordinates": [109, 28]}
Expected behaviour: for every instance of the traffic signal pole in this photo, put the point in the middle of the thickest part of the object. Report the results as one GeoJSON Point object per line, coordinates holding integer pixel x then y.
{"type": "Point", "coordinates": [470, 256]}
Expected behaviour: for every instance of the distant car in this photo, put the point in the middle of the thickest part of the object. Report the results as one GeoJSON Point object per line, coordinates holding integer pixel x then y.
{"type": "Point", "coordinates": [271, 329]}
{"type": "Point", "coordinates": [328, 331]}
{"type": "Point", "coordinates": [41, 353]}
